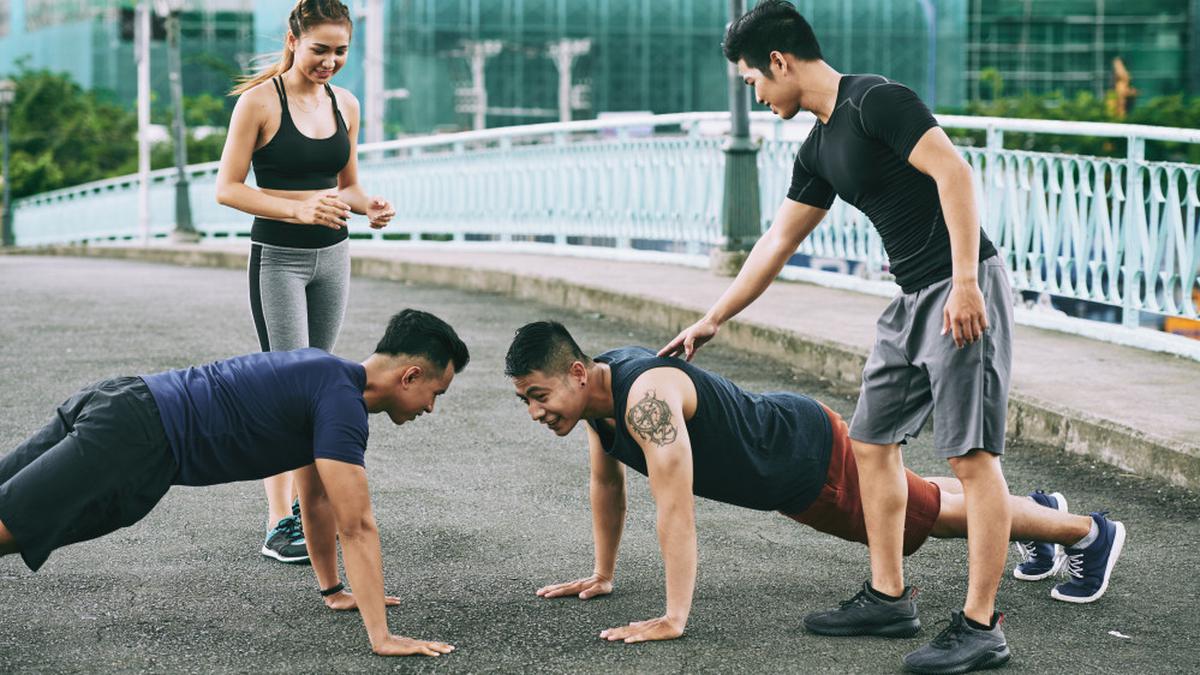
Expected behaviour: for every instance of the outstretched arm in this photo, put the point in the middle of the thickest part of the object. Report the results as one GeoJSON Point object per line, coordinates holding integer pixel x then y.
{"type": "Point", "coordinates": [346, 486]}
{"type": "Point", "coordinates": [608, 521]}
{"type": "Point", "coordinates": [655, 418]}
{"type": "Point", "coordinates": [793, 222]}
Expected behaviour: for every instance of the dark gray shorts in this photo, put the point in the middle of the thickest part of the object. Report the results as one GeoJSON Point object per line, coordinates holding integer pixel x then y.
{"type": "Point", "coordinates": [101, 464]}
{"type": "Point", "coordinates": [914, 371]}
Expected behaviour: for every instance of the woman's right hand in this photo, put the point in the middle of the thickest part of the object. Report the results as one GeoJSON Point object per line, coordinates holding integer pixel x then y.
{"type": "Point", "coordinates": [323, 209]}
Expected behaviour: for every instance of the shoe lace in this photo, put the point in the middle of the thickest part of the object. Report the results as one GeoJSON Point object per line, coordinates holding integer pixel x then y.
{"type": "Point", "coordinates": [859, 600]}
{"type": "Point", "coordinates": [290, 527]}
{"type": "Point", "coordinates": [948, 635]}
{"type": "Point", "coordinates": [1074, 566]}
{"type": "Point", "coordinates": [1026, 549]}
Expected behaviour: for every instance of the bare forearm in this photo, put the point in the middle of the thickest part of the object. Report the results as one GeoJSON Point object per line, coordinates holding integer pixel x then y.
{"type": "Point", "coordinates": [677, 538]}
{"type": "Point", "coordinates": [320, 537]}
{"type": "Point", "coordinates": [766, 259]}
{"type": "Point", "coordinates": [255, 202]}
{"type": "Point", "coordinates": [608, 522]}
{"type": "Point", "coordinates": [355, 197]}
{"type": "Point", "coordinates": [962, 221]}
{"type": "Point", "coordinates": [364, 570]}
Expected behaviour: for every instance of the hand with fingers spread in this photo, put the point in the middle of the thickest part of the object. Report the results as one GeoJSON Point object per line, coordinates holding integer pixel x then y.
{"type": "Point", "coordinates": [396, 645]}
{"type": "Point", "coordinates": [662, 628]}
{"type": "Point", "coordinates": [691, 338]}
{"type": "Point", "coordinates": [379, 212]}
{"type": "Point", "coordinates": [344, 601]}
{"type": "Point", "coordinates": [590, 587]}
{"type": "Point", "coordinates": [964, 314]}
{"type": "Point", "coordinates": [326, 210]}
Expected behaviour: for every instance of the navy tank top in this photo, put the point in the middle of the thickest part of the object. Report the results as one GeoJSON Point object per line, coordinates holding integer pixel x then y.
{"type": "Point", "coordinates": [293, 161]}
{"type": "Point", "coordinates": [762, 451]}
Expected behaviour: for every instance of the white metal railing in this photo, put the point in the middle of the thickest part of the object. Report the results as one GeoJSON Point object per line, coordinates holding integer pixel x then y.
{"type": "Point", "coordinates": [1118, 231]}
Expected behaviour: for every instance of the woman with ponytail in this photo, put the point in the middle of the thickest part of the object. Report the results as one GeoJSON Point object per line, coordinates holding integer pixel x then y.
{"type": "Point", "coordinates": [300, 136]}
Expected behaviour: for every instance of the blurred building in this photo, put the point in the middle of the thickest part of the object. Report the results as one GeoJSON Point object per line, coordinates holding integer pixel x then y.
{"type": "Point", "coordinates": [1069, 45]}
{"type": "Point", "coordinates": [453, 64]}
{"type": "Point", "coordinates": [92, 41]}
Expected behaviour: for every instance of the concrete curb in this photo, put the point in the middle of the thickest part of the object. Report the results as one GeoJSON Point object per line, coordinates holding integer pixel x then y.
{"type": "Point", "coordinates": [1029, 419]}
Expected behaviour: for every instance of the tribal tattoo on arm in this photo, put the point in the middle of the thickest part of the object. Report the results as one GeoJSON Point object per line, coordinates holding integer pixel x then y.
{"type": "Point", "coordinates": [651, 419]}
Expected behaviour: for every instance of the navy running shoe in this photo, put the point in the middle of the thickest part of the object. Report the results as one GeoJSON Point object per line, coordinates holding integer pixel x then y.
{"type": "Point", "coordinates": [1090, 568]}
{"type": "Point", "coordinates": [1040, 559]}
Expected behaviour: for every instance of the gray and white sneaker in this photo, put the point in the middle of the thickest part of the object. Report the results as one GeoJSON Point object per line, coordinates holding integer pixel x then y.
{"type": "Point", "coordinates": [868, 614]}
{"type": "Point", "coordinates": [961, 649]}
{"type": "Point", "coordinates": [285, 542]}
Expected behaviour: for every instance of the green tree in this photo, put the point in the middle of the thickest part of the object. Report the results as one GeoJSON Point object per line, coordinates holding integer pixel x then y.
{"type": "Point", "coordinates": [62, 136]}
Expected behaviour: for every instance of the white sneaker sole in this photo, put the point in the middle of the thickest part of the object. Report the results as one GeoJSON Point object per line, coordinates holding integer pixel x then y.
{"type": "Point", "coordinates": [1060, 556]}
{"type": "Point", "coordinates": [1118, 544]}
{"type": "Point", "coordinates": [282, 558]}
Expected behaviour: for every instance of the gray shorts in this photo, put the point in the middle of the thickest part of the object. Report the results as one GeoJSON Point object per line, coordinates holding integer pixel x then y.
{"type": "Point", "coordinates": [914, 371]}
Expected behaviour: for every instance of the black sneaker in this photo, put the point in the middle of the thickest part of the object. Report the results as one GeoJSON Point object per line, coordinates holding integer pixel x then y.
{"type": "Point", "coordinates": [285, 542]}
{"type": "Point", "coordinates": [868, 614]}
{"type": "Point", "coordinates": [960, 649]}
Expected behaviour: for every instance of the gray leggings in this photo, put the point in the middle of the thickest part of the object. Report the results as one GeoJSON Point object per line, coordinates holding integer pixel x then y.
{"type": "Point", "coordinates": [298, 295]}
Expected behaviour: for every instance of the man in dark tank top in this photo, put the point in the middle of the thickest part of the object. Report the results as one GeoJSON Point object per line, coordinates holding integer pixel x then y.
{"type": "Point", "coordinates": [695, 433]}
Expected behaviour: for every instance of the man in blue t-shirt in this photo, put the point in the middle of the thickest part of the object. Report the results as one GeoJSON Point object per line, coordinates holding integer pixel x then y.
{"type": "Point", "coordinates": [116, 447]}
{"type": "Point", "coordinates": [692, 432]}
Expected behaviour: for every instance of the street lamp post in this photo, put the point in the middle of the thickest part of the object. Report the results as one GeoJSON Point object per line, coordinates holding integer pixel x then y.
{"type": "Point", "coordinates": [184, 231]}
{"type": "Point", "coordinates": [8, 92]}
{"type": "Point", "coordinates": [740, 211]}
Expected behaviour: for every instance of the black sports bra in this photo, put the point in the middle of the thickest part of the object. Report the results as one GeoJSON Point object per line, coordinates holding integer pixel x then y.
{"type": "Point", "coordinates": [293, 161]}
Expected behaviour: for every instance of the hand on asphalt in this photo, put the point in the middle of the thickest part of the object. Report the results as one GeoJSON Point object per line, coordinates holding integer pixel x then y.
{"type": "Point", "coordinates": [661, 628]}
{"type": "Point", "coordinates": [590, 587]}
{"type": "Point", "coordinates": [397, 645]}
{"type": "Point", "coordinates": [343, 601]}
{"type": "Point", "coordinates": [692, 338]}
{"type": "Point", "coordinates": [964, 314]}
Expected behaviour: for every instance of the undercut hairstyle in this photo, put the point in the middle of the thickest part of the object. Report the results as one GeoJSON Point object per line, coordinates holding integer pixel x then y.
{"type": "Point", "coordinates": [544, 346]}
{"type": "Point", "coordinates": [416, 333]}
{"type": "Point", "coordinates": [772, 26]}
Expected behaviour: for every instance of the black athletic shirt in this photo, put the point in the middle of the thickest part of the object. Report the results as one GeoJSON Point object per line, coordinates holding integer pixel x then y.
{"type": "Point", "coordinates": [293, 161]}
{"type": "Point", "coordinates": [861, 154]}
{"type": "Point", "coordinates": [761, 451]}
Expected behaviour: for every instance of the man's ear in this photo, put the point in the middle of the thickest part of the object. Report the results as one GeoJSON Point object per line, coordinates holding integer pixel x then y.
{"type": "Point", "coordinates": [411, 375]}
{"type": "Point", "coordinates": [578, 371]}
{"type": "Point", "coordinates": [778, 63]}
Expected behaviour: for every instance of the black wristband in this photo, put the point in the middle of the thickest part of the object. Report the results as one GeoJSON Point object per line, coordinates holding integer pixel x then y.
{"type": "Point", "coordinates": [336, 588]}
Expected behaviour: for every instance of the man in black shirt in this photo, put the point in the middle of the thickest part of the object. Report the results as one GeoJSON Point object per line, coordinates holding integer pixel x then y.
{"type": "Point", "coordinates": [944, 344]}
{"type": "Point", "coordinates": [693, 432]}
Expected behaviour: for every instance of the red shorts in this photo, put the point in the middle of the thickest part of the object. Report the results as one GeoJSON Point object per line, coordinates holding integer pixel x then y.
{"type": "Point", "coordinates": [838, 509]}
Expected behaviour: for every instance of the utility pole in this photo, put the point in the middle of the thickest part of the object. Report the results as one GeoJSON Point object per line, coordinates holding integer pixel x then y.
{"type": "Point", "coordinates": [142, 55]}
{"type": "Point", "coordinates": [564, 52]}
{"type": "Point", "coordinates": [930, 10]}
{"type": "Point", "coordinates": [377, 97]}
{"type": "Point", "coordinates": [474, 99]}
{"type": "Point", "coordinates": [184, 231]}
{"type": "Point", "coordinates": [740, 211]}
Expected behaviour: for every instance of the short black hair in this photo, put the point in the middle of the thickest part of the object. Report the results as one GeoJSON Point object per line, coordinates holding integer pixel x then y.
{"type": "Point", "coordinates": [418, 333]}
{"type": "Point", "coordinates": [544, 346]}
{"type": "Point", "coordinates": [772, 26]}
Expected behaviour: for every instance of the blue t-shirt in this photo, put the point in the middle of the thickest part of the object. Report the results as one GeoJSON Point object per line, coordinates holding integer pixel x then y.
{"type": "Point", "coordinates": [261, 414]}
{"type": "Point", "coordinates": [762, 451]}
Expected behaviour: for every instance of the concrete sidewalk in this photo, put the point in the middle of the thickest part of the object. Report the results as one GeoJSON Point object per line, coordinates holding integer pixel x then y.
{"type": "Point", "coordinates": [1128, 407]}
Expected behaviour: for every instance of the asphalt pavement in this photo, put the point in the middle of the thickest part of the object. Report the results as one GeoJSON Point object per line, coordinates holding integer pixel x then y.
{"type": "Point", "coordinates": [478, 507]}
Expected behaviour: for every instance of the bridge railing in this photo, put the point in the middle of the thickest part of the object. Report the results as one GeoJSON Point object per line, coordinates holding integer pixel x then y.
{"type": "Point", "coordinates": [1117, 231]}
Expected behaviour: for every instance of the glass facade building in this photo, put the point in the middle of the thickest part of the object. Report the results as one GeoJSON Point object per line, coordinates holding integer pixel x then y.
{"type": "Point", "coordinates": [1069, 45]}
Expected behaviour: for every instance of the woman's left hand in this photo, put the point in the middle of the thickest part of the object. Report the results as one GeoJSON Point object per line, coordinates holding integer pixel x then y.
{"type": "Point", "coordinates": [379, 212]}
